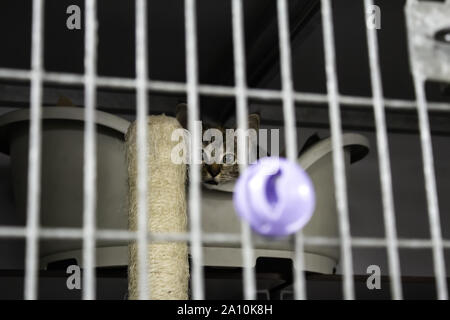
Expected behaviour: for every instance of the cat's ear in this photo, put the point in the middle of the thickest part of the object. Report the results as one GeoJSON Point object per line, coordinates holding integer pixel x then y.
{"type": "Point", "coordinates": [253, 121]}
{"type": "Point", "coordinates": [181, 114]}
{"type": "Point", "coordinates": [63, 101]}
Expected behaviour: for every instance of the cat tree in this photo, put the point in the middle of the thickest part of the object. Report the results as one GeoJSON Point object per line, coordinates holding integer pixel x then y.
{"type": "Point", "coordinates": [168, 270]}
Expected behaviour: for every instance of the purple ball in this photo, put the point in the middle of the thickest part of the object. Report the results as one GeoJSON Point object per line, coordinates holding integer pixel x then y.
{"type": "Point", "coordinates": [275, 196]}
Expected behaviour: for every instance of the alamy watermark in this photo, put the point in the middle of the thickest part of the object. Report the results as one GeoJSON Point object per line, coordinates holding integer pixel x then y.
{"type": "Point", "coordinates": [73, 22]}
{"type": "Point", "coordinates": [373, 17]}
{"type": "Point", "coordinates": [374, 280]}
{"type": "Point", "coordinates": [217, 147]}
{"type": "Point", "coordinates": [74, 279]}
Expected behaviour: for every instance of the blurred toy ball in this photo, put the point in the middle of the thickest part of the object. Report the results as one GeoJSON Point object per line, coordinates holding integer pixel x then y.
{"type": "Point", "coordinates": [275, 196]}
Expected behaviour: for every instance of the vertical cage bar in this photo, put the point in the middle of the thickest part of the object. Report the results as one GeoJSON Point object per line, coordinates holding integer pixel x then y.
{"type": "Point", "coordinates": [383, 159]}
{"type": "Point", "coordinates": [90, 155]}
{"type": "Point", "coordinates": [141, 139]}
{"type": "Point", "coordinates": [430, 188]}
{"type": "Point", "coordinates": [194, 172]}
{"type": "Point", "coordinates": [34, 154]}
{"type": "Point", "coordinates": [242, 115]}
{"type": "Point", "coordinates": [291, 135]}
{"type": "Point", "coordinates": [338, 154]}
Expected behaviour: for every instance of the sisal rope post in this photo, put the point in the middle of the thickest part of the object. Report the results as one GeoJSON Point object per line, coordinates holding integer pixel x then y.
{"type": "Point", "coordinates": [168, 270]}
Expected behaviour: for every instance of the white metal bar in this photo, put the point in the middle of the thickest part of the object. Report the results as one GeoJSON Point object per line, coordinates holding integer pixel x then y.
{"type": "Point", "coordinates": [383, 159]}
{"type": "Point", "coordinates": [194, 171]}
{"type": "Point", "coordinates": [90, 153]}
{"type": "Point", "coordinates": [220, 91]}
{"type": "Point", "coordinates": [141, 139]}
{"type": "Point", "coordinates": [338, 155]}
{"type": "Point", "coordinates": [13, 232]}
{"type": "Point", "coordinates": [242, 124]}
{"type": "Point", "coordinates": [226, 238]}
{"type": "Point", "coordinates": [290, 132]}
{"type": "Point", "coordinates": [286, 80]}
{"type": "Point", "coordinates": [430, 188]}
{"type": "Point", "coordinates": [16, 74]}
{"type": "Point", "coordinates": [34, 156]}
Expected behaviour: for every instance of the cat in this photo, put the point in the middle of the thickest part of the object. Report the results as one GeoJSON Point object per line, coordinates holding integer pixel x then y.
{"type": "Point", "coordinates": [223, 175]}
{"type": "Point", "coordinates": [227, 170]}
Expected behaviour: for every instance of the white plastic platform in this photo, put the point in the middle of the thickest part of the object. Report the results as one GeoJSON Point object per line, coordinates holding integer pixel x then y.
{"type": "Point", "coordinates": [62, 190]}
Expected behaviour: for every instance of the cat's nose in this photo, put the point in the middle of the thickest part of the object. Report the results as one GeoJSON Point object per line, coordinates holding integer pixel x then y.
{"type": "Point", "coordinates": [214, 169]}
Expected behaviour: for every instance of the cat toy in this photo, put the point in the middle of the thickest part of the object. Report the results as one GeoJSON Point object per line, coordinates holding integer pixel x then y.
{"type": "Point", "coordinates": [275, 196]}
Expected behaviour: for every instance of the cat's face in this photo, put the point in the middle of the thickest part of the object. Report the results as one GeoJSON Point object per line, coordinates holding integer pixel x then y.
{"type": "Point", "coordinates": [226, 169]}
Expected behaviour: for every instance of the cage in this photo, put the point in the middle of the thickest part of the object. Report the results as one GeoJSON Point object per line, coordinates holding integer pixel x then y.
{"type": "Point", "coordinates": [369, 78]}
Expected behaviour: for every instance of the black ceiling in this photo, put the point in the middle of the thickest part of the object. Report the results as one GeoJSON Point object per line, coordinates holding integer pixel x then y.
{"type": "Point", "coordinates": [64, 48]}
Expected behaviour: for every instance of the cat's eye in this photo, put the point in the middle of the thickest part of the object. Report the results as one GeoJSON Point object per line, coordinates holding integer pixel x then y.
{"type": "Point", "coordinates": [228, 158]}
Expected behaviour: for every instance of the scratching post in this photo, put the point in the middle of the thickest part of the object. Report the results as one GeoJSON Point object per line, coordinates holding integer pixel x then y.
{"type": "Point", "coordinates": [168, 270]}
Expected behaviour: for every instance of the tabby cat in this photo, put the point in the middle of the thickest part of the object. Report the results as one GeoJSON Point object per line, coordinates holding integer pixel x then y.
{"type": "Point", "coordinates": [223, 175]}
{"type": "Point", "coordinates": [227, 171]}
